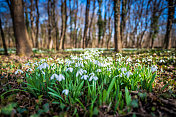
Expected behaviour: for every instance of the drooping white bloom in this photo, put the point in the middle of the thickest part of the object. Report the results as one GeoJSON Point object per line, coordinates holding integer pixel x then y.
{"type": "Point", "coordinates": [149, 60]}
{"type": "Point", "coordinates": [68, 62]}
{"type": "Point", "coordinates": [59, 77]}
{"type": "Point", "coordinates": [50, 59]}
{"type": "Point", "coordinates": [65, 91]}
{"type": "Point", "coordinates": [129, 60]}
{"type": "Point", "coordinates": [162, 61]}
{"type": "Point", "coordinates": [18, 70]}
{"type": "Point", "coordinates": [123, 69]}
{"type": "Point", "coordinates": [69, 69]}
{"type": "Point", "coordinates": [35, 64]}
{"type": "Point", "coordinates": [43, 72]}
{"type": "Point", "coordinates": [154, 68]}
{"type": "Point", "coordinates": [138, 60]}
{"type": "Point", "coordinates": [43, 66]}
{"type": "Point", "coordinates": [93, 78]}
{"type": "Point", "coordinates": [128, 74]}
{"type": "Point", "coordinates": [98, 70]}
{"type": "Point", "coordinates": [84, 77]}
{"type": "Point", "coordinates": [29, 69]}
{"type": "Point", "coordinates": [80, 72]}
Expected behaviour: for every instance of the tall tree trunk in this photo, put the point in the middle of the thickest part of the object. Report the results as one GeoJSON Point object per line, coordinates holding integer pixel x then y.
{"type": "Point", "coordinates": [49, 25]}
{"type": "Point", "coordinates": [3, 39]}
{"type": "Point", "coordinates": [32, 23]}
{"type": "Point", "coordinates": [37, 24]}
{"type": "Point", "coordinates": [171, 12]}
{"type": "Point", "coordinates": [117, 38]}
{"type": "Point", "coordinates": [75, 22]}
{"type": "Point", "coordinates": [91, 21]}
{"type": "Point", "coordinates": [65, 10]}
{"type": "Point", "coordinates": [123, 22]}
{"type": "Point", "coordinates": [86, 24]}
{"type": "Point", "coordinates": [64, 22]}
{"type": "Point", "coordinates": [23, 44]}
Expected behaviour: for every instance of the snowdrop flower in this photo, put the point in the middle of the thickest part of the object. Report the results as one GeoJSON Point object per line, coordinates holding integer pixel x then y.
{"type": "Point", "coordinates": [42, 60]}
{"type": "Point", "coordinates": [123, 69]}
{"type": "Point", "coordinates": [162, 61]}
{"type": "Point", "coordinates": [128, 60]}
{"type": "Point", "coordinates": [154, 68]}
{"type": "Point", "coordinates": [35, 64]}
{"type": "Point", "coordinates": [138, 60]}
{"type": "Point", "coordinates": [53, 64]}
{"type": "Point", "coordinates": [29, 69]}
{"type": "Point", "coordinates": [68, 62]}
{"type": "Point", "coordinates": [128, 74]}
{"type": "Point", "coordinates": [50, 59]}
{"type": "Point", "coordinates": [18, 70]}
{"type": "Point", "coordinates": [59, 77]}
{"type": "Point", "coordinates": [54, 76]}
{"type": "Point", "coordinates": [27, 64]}
{"type": "Point", "coordinates": [80, 72]}
{"type": "Point", "coordinates": [84, 77]}
{"type": "Point", "coordinates": [43, 72]}
{"type": "Point", "coordinates": [43, 66]}
{"type": "Point", "coordinates": [149, 60]}
{"type": "Point", "coordinates": [93, 78]}
{"type": "Point", "coordinates": [91, 74]}
{"type": "Point", "coordinates": [69, 69]}
{"type": "Point", "coordinates": [65, 91]}
{"type": "Point", "coordinates": [98, 70]}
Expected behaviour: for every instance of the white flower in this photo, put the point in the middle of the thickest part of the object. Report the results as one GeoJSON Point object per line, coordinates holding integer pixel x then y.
{"type": "Point", "coordinates": [98, 70]}
{"type": "Point", "coordinates": [59, 77]}
{"type": "Point", "coordinates": [128, 74]}
{"type": "Point", "coordinates": [65, 91]}
{"type": "Point", "coordinates": [50, 59]}
{"type": "Point", "coordinates": [162, 61]}
{"type": "Point", "coordinates": [149, 60]}
{"type": "Point", "coordinates": [18, 70]}
{"type": "Point", "coordinates": [80, 72]}
{"type": "Point", "coordinates": [84, 77]}
{"type": "Point", "coordinates": [93, 78]}
{"type": "Point", "coordinates": [69, 69]}
{"type": "Point", "coordinates": [123, 69]}
{"type": "Point", "coordinates": [29, 69]}
{"type": "Point", "coordinates": [43, 66]}
{"type": "Point", "coordinates": [138, 60]}
{"type": "Point", "coordinates": [154, 68]}
{"type": "Point", "coordinates": [43, 72]}
{"type": "Point", "coordinates": [128, 60]}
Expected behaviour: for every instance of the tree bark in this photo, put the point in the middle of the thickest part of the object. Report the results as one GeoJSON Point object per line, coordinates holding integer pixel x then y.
{"type": "Point", "coordinates": [171, 12]}
{"type": "Point", "coordinates": [3, 39]}
{"type": "Point", "coordinates": [37, 24]}
{"type": "Point", "coordinates": [117, 38]}
{"type": "Point", "coordinates": [23, 45]}
{"type": "Point", "coordinates": [86, 25]}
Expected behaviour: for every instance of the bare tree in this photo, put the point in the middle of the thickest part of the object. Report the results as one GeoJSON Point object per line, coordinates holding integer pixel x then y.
{"type": "Point", "coordinates": [3, 39]}
{"type": "Point", "coordinates": [117, 38]}
{"type": "Point", "coordinates": [23, 45]}
{"type": "Point", "coordinates": [86, 24]}
{"type": "Point", "coordinates": [171, 12]}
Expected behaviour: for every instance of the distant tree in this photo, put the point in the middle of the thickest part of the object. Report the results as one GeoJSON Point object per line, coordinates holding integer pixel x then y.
{"type": "Point", "coordinates": [3, 38]}
{"type": "Point", "coordinates": [37, 23]}
{"type": "Point", "coordinates": [23, 44]}
{"type": "Point", "coordinates": [170, 19]}
{"type": "Point", "coordinates": [64, 23]}
{"type": "Point", "coordinates": [85, 44]}
{"type": "Point", "coordinates": [117, 36]}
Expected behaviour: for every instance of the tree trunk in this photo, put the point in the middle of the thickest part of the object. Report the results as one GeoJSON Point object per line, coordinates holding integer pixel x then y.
{"type": "Point", "coordinates": [32, 23]}
{"type": "Point", "coordinates": [86, 25]}
{"type": "Point", "coordinates": [23, 45]}
{"type": "Point", "coordinates": [37, 24]}
{"type": "Point", "coordinates": [49, 25]}
{"type": "Point", "coordinates": [3, 39]}
{"type": "Point", "coordinates": [117, 38]}
{"type": "Point", "coordinates": [171, 11]}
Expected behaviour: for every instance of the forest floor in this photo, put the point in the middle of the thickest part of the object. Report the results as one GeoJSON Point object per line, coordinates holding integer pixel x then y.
{"type": "Point", "coordinates": [17, 99]}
